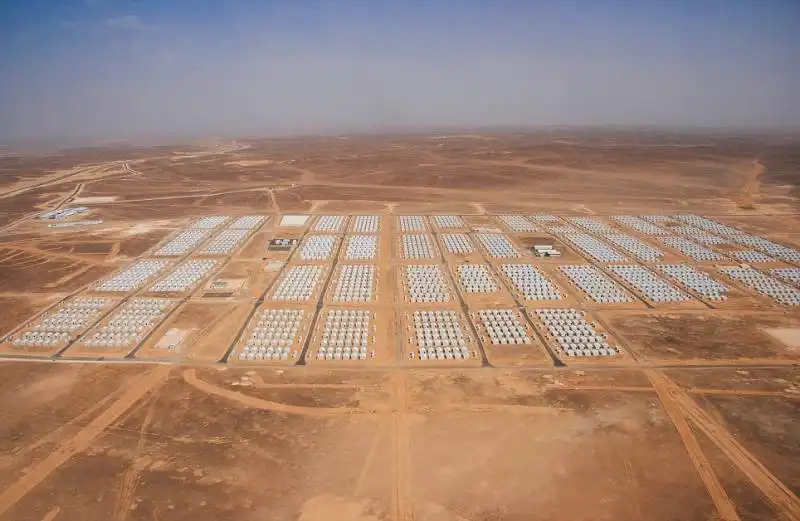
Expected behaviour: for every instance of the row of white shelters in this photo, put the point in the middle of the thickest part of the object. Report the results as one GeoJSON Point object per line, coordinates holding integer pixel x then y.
{"type": "Point", "coordinates": [61, 326]}
{"type": "Point", "coordinates": [640, 225]}
{"type": "Point", "coordinates": [347, 334]}
{"type": "Point", "coordinates": [185, 276]}
{"type": "Point", "coordinates": [273, 335]}
{"type": "Point", "coordinates": [773, 249]}
{"type": "Point", "coordinates": [439, 335]}
{"type": "Point", "coordinates": [456, 243]}
{"type": "Point", "coordinates": [366, 224]}
{"type": "Point", "coordinates": [356, 283]}
{"type": "Point", "coordinates": [416, 246]}
{"type": "Point", "coordinates": [564, 229]}
{"type": "Point", "coordinates": [361, 247]}
{"type": "Point", "coordinates": [225, 242]}
{"type": "Point", "coordinates": [63, 213]}
{"type": "Point", "coordinates": [696, 280]}
{"type": "Point", "coordinates": [247, 222]}
{"type": "Point", "coordinates": [299, 283]}
{"type": "Point", "coordinates": [787, 274]}
{"type": "Point", "coordinates": [411, 223]}
{"type": "Point", "coordinates": [639, 249]}
{"type": "Point", "coordinates": [426, 283]}
{"type": "Point", "coordinates": [475, 278]}
{"type": "Point", "coordinates": [596, 284]}
{"type": "Point", "coordinates": [654, 288]}
{"type": "Point", "coordinates": [497, 245]}
{"type": "Point", "coordinates": [574, 335]}
{"type": "Point", "coordinates": [531, 283]}
{"type": "Point", "coordinates": [518, 223]}
{"type": "Point", "coordinates": [449, 221]}
{"type": "Point", "coordinates": [210, 222]}
{"type": "Point", "coordinates": [129, 324]}
{"type": "Point", "coordinates": [133, 277]}
{"type": "Point", "coordinates": [545, 219]}
{"type": "Point", "coordinates": [691, 249]}
{"type": "Point", "coordinates": [782, 293]}
{"type": "Point", "coordinates": [594, 248]}
{"type": "Point", "coordinates": [699, 236]}
{"type": "Point", "coordinates": [592, 224]}
{"type": "Point", "coordinates": [329, 223]}
{"type": "Point", "coordinates": [503, 327]}
{"type": "Point", "coordinates": [661, 220]}
{"type": "Point", "coordinates": [750, 256]}
{"type": "Point", "coordinates": [183, 243]}
{"type": "Point", "coordinates": [707, 224]}
{"type": "Point", "coordinates": [317, 247]}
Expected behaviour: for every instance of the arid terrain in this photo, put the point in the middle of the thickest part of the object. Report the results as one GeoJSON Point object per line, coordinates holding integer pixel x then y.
{"type": "Point", "coordinates": [694, 416]}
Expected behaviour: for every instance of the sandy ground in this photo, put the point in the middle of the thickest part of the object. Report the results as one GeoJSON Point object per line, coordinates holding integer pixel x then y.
{"type": "Point", "coordinates": [268, 444]}
{"type": "Point", "coordinates": [695, 420]}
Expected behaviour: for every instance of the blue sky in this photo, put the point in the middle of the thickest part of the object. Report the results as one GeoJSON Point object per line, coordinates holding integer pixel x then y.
{"type": "Point", "coordinates": [100, 69]}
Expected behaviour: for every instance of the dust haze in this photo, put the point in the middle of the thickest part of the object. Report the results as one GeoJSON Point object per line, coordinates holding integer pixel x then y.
{"type": "Point", "coordinates": [333, 71]}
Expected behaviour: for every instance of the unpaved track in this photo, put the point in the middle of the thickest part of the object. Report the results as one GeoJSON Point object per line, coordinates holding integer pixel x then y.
{"type": "Point", "coordinates": [7, 459]}
{"type": "Point", "coordinates": [369, 459]}
{"type": "Point", "coordinates": [70, 196]}
{"type": "Point", "coordinates": [621, 388]}
{"type": "Point", "coordinates": [52, 180]}
{"type": "Point", "coordinates": [31, 215]}
{"type": "Point", "coordinates": [85, 258]}
{"type": "Point", "coordinates": [307, 176]}
{"type": "Point", "coordinates": [722, 501]}
{"type": "Point", "coordinates": [193, 195]}
{"type": "Point", "coordinates": [785, 502]}
{"type": "Point", "coordinates": [743, 392]}
{"type": "Point", "coordinates": [259, 383]}
{"type": "Point", "coordinates": [137, 388]}
{"type": "Point", "coordinates": [749, 193]}
{"type": "Point", "coordinates": [50, 516]}
{"type": "Point", "coordinates": [276, 208]}
{"type": "Point", "coordinates": [501, 407]}
{"type": "Point", "coordinates": [130, 478]}
{"type": "Point", "coordinates": [693, 390]}
{"type": "Point", "coordinates": [190, 377]}
{"type": "Point", "coordinates": [401, 464]}
{"type": "Point", "coordinates": [68, 277]}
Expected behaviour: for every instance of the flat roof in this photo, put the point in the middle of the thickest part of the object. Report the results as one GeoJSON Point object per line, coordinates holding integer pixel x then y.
{"type": "Point", "coordinates": [294, 220]}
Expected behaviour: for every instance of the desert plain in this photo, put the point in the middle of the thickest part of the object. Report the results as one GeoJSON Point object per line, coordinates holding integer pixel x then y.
{"type": "Point", "coordinates": [694, 415]}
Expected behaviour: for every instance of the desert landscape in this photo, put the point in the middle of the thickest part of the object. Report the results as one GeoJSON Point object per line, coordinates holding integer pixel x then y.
{"type": "Point", "coordinates": [577, 324]}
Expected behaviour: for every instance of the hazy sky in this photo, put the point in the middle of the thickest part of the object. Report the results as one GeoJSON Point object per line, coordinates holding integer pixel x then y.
{"type": "Point", "coordinates": [117, 68]}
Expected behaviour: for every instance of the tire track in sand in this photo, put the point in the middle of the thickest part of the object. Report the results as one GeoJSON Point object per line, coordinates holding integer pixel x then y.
{"type": "Point", "coordinates": [276, 208]}
{"type": "Point", "coordinates": [777, 494]}
{"type": "Point", "coordinates": [81, 441]}
{"type": "Point", "coordinates": [401, 463]}
{"type": "Point", "coordinates": [52, 514]}
{"type": "Point", "coordinates": [722, 501]}
{"type": "Point", "coordinates": [190, 377]}
{"type": "Point", "coordinates": [370, 457]}
{"type": "Point", "coordinates": [58, 430]}
{"type": "Point", "coordinates": [743, 392]}
{"type": "Point", "coordinates": [259, 383]}
{"type": "Point", "coordinates": [130, 478]}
